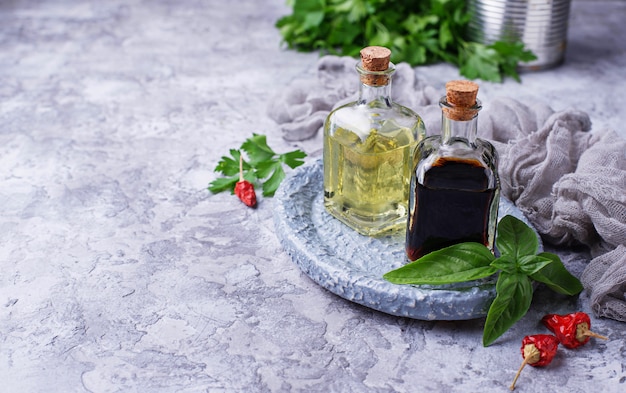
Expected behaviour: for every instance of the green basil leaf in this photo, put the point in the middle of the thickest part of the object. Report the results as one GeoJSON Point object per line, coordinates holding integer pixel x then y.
{"type": "Point", "coordinates": [531, 264]}
{"type": "Point", "coordinates": [514, 293]}
{"type": "Point", "coordinates": [557, 277]}
{"type": "Point", "coordinates": [457, 263]}
{"type": "Point", "coordinates": [421, 275]}
{"type": "Point", "coordinates": [515, 238]}
{"type": "Point", "coordinates": [506, 263]}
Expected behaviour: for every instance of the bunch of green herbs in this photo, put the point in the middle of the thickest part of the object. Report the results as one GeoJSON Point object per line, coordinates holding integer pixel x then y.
{"type": "Point", "coordinates": [263, 166]}
{"type": "Point", "coordinates": [517, 267]}
{"type": "Point", "coordinates": [418, 32]}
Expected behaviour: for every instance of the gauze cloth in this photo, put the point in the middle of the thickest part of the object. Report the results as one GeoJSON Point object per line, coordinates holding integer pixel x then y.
{"type": "Point", "coordinates": [569, 182]}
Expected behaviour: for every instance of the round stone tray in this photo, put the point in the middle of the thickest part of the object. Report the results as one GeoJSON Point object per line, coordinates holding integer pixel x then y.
{"type": "Point", "coordinates": [351, 265]}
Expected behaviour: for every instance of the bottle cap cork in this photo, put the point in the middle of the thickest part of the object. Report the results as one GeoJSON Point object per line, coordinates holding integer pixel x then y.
{"type": "Point", "coordinates": [461, 100]}
{"type": "Point", "coordinates": [375, 59]}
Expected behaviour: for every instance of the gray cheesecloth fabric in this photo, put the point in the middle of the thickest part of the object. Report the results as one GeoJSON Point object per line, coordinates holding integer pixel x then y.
{"type": "Point", "coordinates": [569, 182]}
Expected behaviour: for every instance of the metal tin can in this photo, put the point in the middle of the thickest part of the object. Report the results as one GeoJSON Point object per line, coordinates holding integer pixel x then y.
{"type": "Point", "coordinates": [540, 24]}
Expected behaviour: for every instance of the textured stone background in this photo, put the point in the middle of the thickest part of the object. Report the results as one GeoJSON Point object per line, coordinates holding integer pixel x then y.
{"type": "Point", "coordinates": [120, 272]}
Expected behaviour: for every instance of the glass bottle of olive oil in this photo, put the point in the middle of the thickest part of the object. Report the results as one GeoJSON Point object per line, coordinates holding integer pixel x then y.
{"type": "Point", "coordinates": [368, 150]}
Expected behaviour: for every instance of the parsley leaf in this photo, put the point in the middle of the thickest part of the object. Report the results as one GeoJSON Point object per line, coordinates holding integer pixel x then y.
{"type": "Point", "coordinates": [510, 54]}
{"type": "Point", "coordinates": [417, 32]}
{"type": "Point", "coordinates": [257, 149]}
{"type": "Point", "coordinates": [480, 62]}
{"type": "Point", "coordinates": [276, 177]}
{"type": "Point", "coordinates": [224, 184]}
{"type": "Point", "coordinates": [229, 166]}
{"type": "Point", "coordinates": [263, 166]}
{"type": "Point", "coordinates": [292, 159]}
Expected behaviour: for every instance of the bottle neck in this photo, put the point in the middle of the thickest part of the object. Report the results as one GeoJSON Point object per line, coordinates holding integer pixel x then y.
{"type": "Point", "coordinates": [368, 94]}
{"type": "Point", "coordinates": [375, 85]}
{"type": "Point", "coordinates": [459, 123]}
{"type": "Point", "coordinates": [455, 129]}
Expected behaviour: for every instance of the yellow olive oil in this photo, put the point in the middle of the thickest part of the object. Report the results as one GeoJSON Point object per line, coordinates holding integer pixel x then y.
{"type": "Point", "coordinates": [366, 181]}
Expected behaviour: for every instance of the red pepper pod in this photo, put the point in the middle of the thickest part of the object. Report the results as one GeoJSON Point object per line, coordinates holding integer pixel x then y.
{"type": "Point", "coordinates": [245, 191]}
{"type": "Point", "coordinates": [546, 345]}
{"type": "Point", "coordinates": [572, 330]}
{"type": "Point", "coordinates": [538, 350]}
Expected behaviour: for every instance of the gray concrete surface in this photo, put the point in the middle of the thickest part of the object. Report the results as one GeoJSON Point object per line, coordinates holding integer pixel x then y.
{"type": "Point", "coordinates": [120, 272]}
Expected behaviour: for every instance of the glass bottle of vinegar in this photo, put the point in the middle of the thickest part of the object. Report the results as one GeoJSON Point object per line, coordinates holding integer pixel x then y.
{"type": "Point", "coordinates": [455, 188]}
{"type": "Point", "coordinates": [368, 148]}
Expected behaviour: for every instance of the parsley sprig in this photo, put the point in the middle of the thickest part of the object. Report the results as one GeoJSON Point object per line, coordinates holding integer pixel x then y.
{"type": "Point", "coordinates": [517, 267]}
{"type": "Point", "coordinates": [417, 32]}
{"type": "Point", "coordinates": [263, 166]}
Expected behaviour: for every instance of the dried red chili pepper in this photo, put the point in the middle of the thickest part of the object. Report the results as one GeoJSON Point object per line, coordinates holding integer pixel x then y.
{"type": "Point", "coordinates": [244, 189]}
{"type": "Point", "coordinates": [572, 330]}
{"type": "Point", "coordinates": [538, 350]}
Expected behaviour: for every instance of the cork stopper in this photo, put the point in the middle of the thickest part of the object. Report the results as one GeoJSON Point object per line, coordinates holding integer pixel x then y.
{"type": "Point", "coordinates": [461, 100]}
{"type": "Point", "coordinates": [375, 59]}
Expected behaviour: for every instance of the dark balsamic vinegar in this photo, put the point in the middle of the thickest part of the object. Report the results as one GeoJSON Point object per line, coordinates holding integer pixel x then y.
{"type": "Point", "coordinates": [452, 205]}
